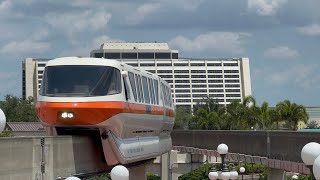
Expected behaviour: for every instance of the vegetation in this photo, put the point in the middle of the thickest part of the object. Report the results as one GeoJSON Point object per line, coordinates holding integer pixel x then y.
{"type": "Point", "coordinates": [312, 125]}
{"type": "Point", "coordinates": [209, 115]}
{"type": "Point", "coordinates": [202, 172]}
{"type": "Point", "coordinates": [19, 110]}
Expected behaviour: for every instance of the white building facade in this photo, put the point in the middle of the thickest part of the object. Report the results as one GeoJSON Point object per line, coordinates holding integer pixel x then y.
{"type": "Point", "coordinates": [191, 79]}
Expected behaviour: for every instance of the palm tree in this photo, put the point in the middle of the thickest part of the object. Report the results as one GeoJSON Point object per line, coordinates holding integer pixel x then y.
{"type": "Point", "coordinates": [292, 113]}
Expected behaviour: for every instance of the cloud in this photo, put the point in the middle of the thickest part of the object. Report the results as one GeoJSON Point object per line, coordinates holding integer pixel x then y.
{"type": "Point", "coordinates": [78, 21]}
{"type": "Point", "coordinates": [227, 42]}
{"type": "Point", "coordinates": [281, 52]}
{"type": "Point", "coordinates": [142, 12]}
{"type": "Point", "coordinates": [84, 48]}
{"type": "Point", "coordinates": [310, 30]}
{"type": "Point", "coordinates": [26, 46]}
{"type": "Point", "coordinates": [265, 7]}
{"type": "Point", "coordinates": [145, 10]}
{"type": "Point", "coordinates": [305, 76]}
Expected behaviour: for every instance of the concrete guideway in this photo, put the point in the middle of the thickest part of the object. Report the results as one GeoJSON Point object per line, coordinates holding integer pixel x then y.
{"type": "Point", "coordinates": [41, 158]}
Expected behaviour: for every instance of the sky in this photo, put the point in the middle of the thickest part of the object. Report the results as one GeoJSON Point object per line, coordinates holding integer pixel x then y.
{"type": "Point", "coordinates": [280, 37]}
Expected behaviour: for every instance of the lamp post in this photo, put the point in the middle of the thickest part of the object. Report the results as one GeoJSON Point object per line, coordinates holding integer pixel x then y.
{"type": "Point", "coordinates": [242, 170]}
{"type": "Point", "coordinates": [225, 174]}
{"type": "Point", "coordinates": [309, 154]}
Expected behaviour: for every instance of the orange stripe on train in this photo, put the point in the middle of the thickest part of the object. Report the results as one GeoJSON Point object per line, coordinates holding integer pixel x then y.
{"type": "Point", "coordinates": [91, 113]}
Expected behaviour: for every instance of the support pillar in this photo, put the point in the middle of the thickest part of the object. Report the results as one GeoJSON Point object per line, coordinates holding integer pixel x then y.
{"type": "Point", "coordinates": [137, 172]}
{"type": "Point", "coordinates": [164, 160]}
{"type": "Point", "coordinates": [276, 174]}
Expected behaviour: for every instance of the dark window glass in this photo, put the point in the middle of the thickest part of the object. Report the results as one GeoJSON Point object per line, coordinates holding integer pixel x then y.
{"type": "Point", "coordinates": [197, 64]}
{"type": "Point", "coordinates": [232, 90]}
{"type": "Point", "coordinates": [198, 71]}
{"type": "Point", "coordinates": [164, 64]}
{"type": "Point", "coordinates": [183, 100]}
{"type": "Point", "coordinates": [151, 90]}
{"type": "Point", "coordinates": [199, 90]}
{"type": "Point", "coordinates": [175, 56]}
{"type": "Point", "coordinates": [231, 71]}
{"type": "Point", "coordinates": [129, 56]}
{"type": "Point", "coordinates": [199, 81]}
{"type": "Point", "coordinates": [216, 85]}
{"type": "Point", "coordinates": [181, 81]}
{"type": "Point", "coordinates": [198, 76]}
{"type": "Point", "coordinates": [40, 72]}
{"type": "Point", "coordinates": [231, 76]}
{"type": "Point", "coordinates": [147, 64]}
{"type": "Point", "coordinates": [163, 55]}
{"type": "Point", "coordinates": [232, 85]}
{"type": "Point", "coordinates": [181, 76]}
{"type": "Point", "coordinates": [215, 81]}
{"type": "Point", "coordinates": [215, 90]}
{"type": "Point", "coordinates": [41, 65]}
{"type": "Point", "coordinates": [182, 95]}
{"type": "Point", "coordinates": [214, 71]}
{"type": "Point", "coordinates": [199, 95]}
{"type": "Point", "coordinates": [231, 81]}
{"type": "Point", "coordinates": [214, 76]}
{"type": "Point", "coordinates": [127, 89]}
{"type": "Point", "coordinates": [146, 55]}
{"type": "Point", "coordinates": [164, 71]}
{"type": "Point", "coordinates": [181, 64]}
{"type": "Point", "coordinates": [213, 64]}
{"type": "Point", "coordinates": [71, 81]}
{"type": "Point", "coordinates": [112, 55]}
{"type": "Point", "coordinates": [169, 81]}
{"type": "Point", "coordinates": [216, 95]}
{"type": "Point", "coordinates": [182, 86]}
{"type": "Point", "coordinates": [181, 71]}
{"type": "Point", "coordinates": [140, 89]}
{"type": "Point", "coordinates": [133, 85]}
{"type": "Point", "coordinates": [155, 85]}
{"type": "Point", "coordinates": [98, 55]}
{"type": "Point", "coordinates": [199, 85]}
{"type": "Point", "coordinates": [165, 76]}
{"type": "Point", "coordinates": [233, 95]}
{"type": "Point", "coordinates": [230, 64]}
{"type": "Point", "coordinates": [182, 90]}
{"type": "Point", "coordinates": [145, 90]}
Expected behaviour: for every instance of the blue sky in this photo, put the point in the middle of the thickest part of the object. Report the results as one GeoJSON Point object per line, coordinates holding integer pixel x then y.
{"type": "Point", "coordinates": [281, 37]}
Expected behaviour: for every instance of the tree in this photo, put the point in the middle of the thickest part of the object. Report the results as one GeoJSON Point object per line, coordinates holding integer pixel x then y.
{"type": "Point", "coordinates": [183, 117]}
{"type": "Point", "coordinates": [292, 113]}
{"type": "Point", "coordinates": [17, 109]}
{"type": "Point", "coordinates": [312, 125]}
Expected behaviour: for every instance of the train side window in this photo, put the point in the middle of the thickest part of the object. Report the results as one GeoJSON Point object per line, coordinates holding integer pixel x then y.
{"type": "Point", "coordinates": [133, 85]}
{"type": "Point", "coordinates": [145, 90]}
{"type": "Point", "coordinates": [164, 93]}
{"type": "Point", "coordinates": [127, 90]}
{"type": "Point", "coordinates": [155, 84]}
{"type": "Point", "coordinates": [140, 89]}
{"type": "Point", "coordinates": [137, 86]}
{"type": "Point", "coordinates": [151, 91]}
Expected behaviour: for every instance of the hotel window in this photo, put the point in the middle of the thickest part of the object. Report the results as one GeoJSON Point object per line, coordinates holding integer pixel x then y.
{"type": "Point", "coordinates": [198, 71]}
{"type": "Point", "coordinates": [230, 64]}
{"type": "Point", "coordinates": [129, 56]}
{"type": "Point", "coordinates": [164, 71]}
{"type": "Point", "coordinates": [231, 71]}
{"type": "Point", "coordinates": [197, 64]}
{"type": "Point", "coordinates": [199, 81]}
{"type": "Point", "coordinates": [199, 90]}
{"type": "Point", "coordinates": [147, 64]}
{"type": "Point", "coordinates": [231, 76]}
{"type": "Point", "coordinates": [162, 55]}
{"type": "Point", "coordinates": [175, 56]}
{"type": "Point", "coordinates": [213, 64]}
{"type": "Point", "coordinates": [112, 55]}
{"type": "Point", "coordinates": [182, 81]}
{"type": "Point", "coordinates": [181, 64]}
{"type": "Point", "coordinates": [231, 81]}
{"type": "Point", "coordinates": [181, 76]}
{"type": "Point", "coordinates": [146, 55]}
{"type": "Point", "coordinates": [232, 90]}
{"type": "Point", "coordinates": [164, 64]}
{"type": "Point", "coordinates": [215, 90]}
{"type": "Point", "coordinates": [181, 71]}
{"type": "Point", "coordinates": [216, 95]}
{"type": "Point", "coordinates": [214, 71]}
{"type": "Point", "coordinates": [214, 76]}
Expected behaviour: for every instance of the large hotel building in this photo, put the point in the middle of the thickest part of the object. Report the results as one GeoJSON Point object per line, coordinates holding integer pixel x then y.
{"type": "Point", "coordinates": [191, 79]}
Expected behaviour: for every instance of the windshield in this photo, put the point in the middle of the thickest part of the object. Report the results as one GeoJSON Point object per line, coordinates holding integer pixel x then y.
{"type": "Point", "coordinates": [77, 80]}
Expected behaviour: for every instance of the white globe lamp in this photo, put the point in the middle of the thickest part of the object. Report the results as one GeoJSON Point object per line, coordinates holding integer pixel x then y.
{"type": "Point", "coordinates": [310, 152]}
{"type": "Point", "coordinates": [295, 177]}
{"type": "Point", "coordinates": [316, 168]}
{"type": "Point", "coordinates": [225, 175]}
{"type": "Point", "coordinates": [73, 178]}
{"type": "Point", "coordinates": [119, 172]}
{"type": "Point", "coordinates": [233, 174]}
{"type": "Point", "coordinates": [2, 121]}
{"type": "Point", "coordinates": [222, 149]}
{"type": "Point", "coordinates": [213, 175]}
{"type": "Point", "coordinates": [242, 169]}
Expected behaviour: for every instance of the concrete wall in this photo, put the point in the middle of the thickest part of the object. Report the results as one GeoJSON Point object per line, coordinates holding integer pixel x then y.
{"type": "Point", "coordinates": [42, 158]}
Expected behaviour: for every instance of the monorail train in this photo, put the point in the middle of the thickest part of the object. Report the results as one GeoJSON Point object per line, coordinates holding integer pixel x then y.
{"type": "Point", "coordinates": [130, 111]}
